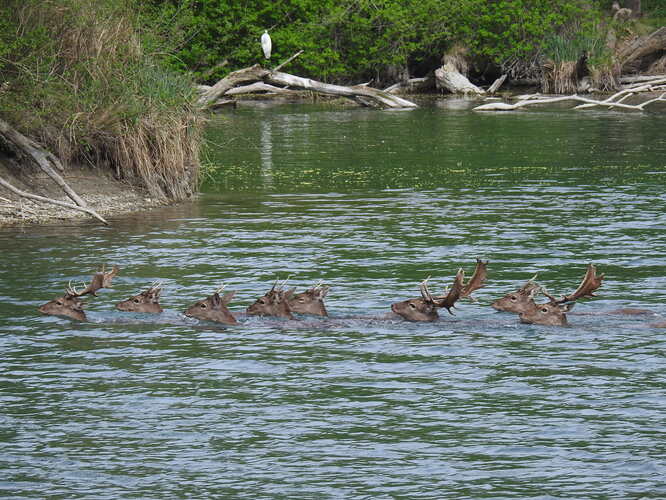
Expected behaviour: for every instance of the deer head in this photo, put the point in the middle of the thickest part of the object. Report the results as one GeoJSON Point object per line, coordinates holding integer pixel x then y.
{"type": "Point", "coordinates": [274, 303]}
{"type": "Point", "coordinates": [213, 308]}
{"type": "Point", "coordinates": [310, 301]}
{"type": "Point", "coordinates": [553, 313]}
{"type": "Point", "coordinates": [147, 301]}
{"type": "Point", "coordinates": [70, 305]}
{"type": "Point", "coordinates": [519, 301]}
{"type": "Point", "coordinates": [425, 307]}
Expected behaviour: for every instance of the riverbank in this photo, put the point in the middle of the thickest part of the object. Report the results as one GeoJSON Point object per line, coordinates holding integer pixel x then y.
{"type": "Point", "coordinates": [106, 195]}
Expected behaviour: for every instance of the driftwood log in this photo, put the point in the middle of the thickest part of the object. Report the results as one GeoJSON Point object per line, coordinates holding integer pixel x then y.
{"type": "Point", "coordinates": [48, 163]}
{"type": "Point", "coordinates": [449, 78]}
{"type": "Point", "coordinates": [614, 101]}
{"type": "Point", "coordinates": [362, 94]}
{"type": "Point", "coordinates": [413, 85]}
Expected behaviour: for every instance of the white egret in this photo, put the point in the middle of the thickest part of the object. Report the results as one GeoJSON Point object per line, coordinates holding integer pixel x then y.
{"type": "Point", "coordinates": [266, 44]}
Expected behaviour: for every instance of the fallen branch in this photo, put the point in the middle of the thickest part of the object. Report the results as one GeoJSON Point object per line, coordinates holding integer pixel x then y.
{"type": "Point", "coordinates": [365, 95]}
{"type": "Point", "coordinates": [44, 159]}
{"type": "Point", "coordinates": [496, 84]}
{"type": "Point", "coordinates": [282, 65]}
{"type": "Point", "coordinates": [502, 106]}
{"type": "Point", "coordinates": [629, 91]}
{"type": "Point", "coordinates": [259, 87]}
{"type": "Point", "coordinates": [43, 199]}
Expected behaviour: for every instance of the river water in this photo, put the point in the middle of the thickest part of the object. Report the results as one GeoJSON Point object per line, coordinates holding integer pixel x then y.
{"type": "Point", "coordinates": [475, 405]}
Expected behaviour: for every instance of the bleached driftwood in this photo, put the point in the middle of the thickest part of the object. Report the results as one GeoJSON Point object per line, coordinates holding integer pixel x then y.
{"type": "Point", "coordinates": [412, 85]}
{"type": "Point", "coordinates": [496, 84]}
{"type": "Point", "coordinates": [46, 161]}
{"type": "Point", "coordinates": [258, 87]}
{"type": "Point", "coordinates": [448, 77]}
{"type": "Point", "coordinates": [367, 96]}
{"type": "Point", "coordinates": [649, 86]}
{"type": "Point", "coordinates": [503, 106]}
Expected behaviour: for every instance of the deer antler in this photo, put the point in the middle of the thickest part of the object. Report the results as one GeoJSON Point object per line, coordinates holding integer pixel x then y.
{"type": "Point", "coordinates": [220, 289]}
{"type": "Point", "coordinates": [99, 280]}
{"type": "Point", "coordinates": [425, 293]}
{"type": "Point", "coordinates": [454, 293]}
{"type": "Point", "coordinates": [591, 281]}
{"type": "Point", "coordinates": [477, 280]}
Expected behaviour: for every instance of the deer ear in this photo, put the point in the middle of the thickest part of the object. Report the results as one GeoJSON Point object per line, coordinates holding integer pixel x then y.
{"type": "Point", "coordinates": [567, 307]}
{"type": "Point", "coordinates": [216, 300]}
{"type": "Point", "coordinates": [323, 291]}
{"type": "Point", "coordinates": [226, 298]}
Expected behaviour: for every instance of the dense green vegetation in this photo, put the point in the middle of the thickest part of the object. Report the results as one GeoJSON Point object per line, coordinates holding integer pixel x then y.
{"type": "Point", "coordinates": [361, 40]}
{"type": "Point", "coordinates": [111, 82]}
{"type": "Point", "coordinates": [86, 79]}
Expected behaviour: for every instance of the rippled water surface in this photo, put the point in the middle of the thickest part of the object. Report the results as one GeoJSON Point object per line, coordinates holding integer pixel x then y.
{"type": "Point", "coordinates": [363, 405]}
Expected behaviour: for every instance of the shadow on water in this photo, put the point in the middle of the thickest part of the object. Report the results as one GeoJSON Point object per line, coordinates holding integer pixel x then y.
{"type": "Point", "coordinates": [475, 405]}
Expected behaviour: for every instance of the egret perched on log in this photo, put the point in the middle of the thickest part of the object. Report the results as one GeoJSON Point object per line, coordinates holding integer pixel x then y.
{"type": "Point", "coordinates": [266, 44]}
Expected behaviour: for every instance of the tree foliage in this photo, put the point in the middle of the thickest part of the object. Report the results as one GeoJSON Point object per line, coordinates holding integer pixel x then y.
{"type": "Point", "coordinates": [360, 40]}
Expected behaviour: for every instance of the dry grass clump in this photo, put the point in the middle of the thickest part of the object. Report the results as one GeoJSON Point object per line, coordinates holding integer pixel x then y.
{"type": "Point", "coordinates": [79, 82]}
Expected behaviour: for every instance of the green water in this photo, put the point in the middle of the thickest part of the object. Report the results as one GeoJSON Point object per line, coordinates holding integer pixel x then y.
{"type": "Point", "coordinates": [363, 405]}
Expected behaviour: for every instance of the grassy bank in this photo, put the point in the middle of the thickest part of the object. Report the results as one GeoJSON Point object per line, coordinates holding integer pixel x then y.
{"type": "Point", "coordinates": [86, 79]}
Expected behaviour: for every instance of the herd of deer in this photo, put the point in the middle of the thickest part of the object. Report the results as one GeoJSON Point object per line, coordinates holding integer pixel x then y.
{"type": "Point", "coordinates": [282, 303]}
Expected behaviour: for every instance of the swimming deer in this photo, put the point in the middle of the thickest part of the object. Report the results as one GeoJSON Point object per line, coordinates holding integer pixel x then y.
{"type": "Point", "coordinates": [310, 301]}
{"type": "Point", "coordinates": [70, 305]}
{"type": "Point", "coordinates": [519, 301]}
{"type": "Point", "coordinates": [213, 308]}
{"type": "Point", "coordinates": [147, 301]}
{"type": "Point", "coordinates": [275, 302]}
{"type": "Point", "coordinates": [553, 313]}
{"type": "Point", "coordinates": [425, 307]}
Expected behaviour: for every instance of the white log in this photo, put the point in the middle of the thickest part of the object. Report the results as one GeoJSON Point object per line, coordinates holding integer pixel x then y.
{"type": "Point", "coordinates": [502, 106]}
{"type": "Point", "coordinates": [367, 96]}
{"type": "Point", "coordinates": [258, 87]}
{"type": "Point", "coordinates": [497, 84]}
{"type": "Point", "coordinates": [449, 78]}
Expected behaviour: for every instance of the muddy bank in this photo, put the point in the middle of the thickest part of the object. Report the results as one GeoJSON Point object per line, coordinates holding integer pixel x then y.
{"type": "Point", "coordinates": [103, 193]}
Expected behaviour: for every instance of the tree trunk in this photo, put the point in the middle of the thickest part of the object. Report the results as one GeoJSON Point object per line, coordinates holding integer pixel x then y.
{"type": "Point", "coordinates": [642, 47]}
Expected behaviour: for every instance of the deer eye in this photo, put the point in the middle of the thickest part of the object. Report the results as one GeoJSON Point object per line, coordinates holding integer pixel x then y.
{"type": "Point", "coordinates": [136, 301]}
{"type": "Point", "coordinates": [261, 301]}
{"type": "Point", "coordinates": [202, 305]}
{"type": "Point", "coordinates": [412, 305]}
{"type": "Point", "coordinates": [59, 302]}
{"type": "Point", "coordinates": [301, 301]}
{"type": "Point", "coordinates": [514, 298]}
{"type": "Point", "coordinates": [544, 310]}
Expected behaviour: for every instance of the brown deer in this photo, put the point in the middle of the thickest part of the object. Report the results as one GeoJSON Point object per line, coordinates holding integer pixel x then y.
{"type": "Point", "coordinates": [553, 313]}
{"type": "Point", "coordinates": [213, 308]}
{"type": "Point", "coordinates": [310, 301]}
{"type": "Point", "coordinates": [425, 307]}
{"type": "Point", "coordinates": [519, 301]}
{"type": "Point", "coordinates": [274, 303]}
{"type": "Point", "coordinates": [70, 305]}
{"type": "Point", "coordinates": [147, 301]}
